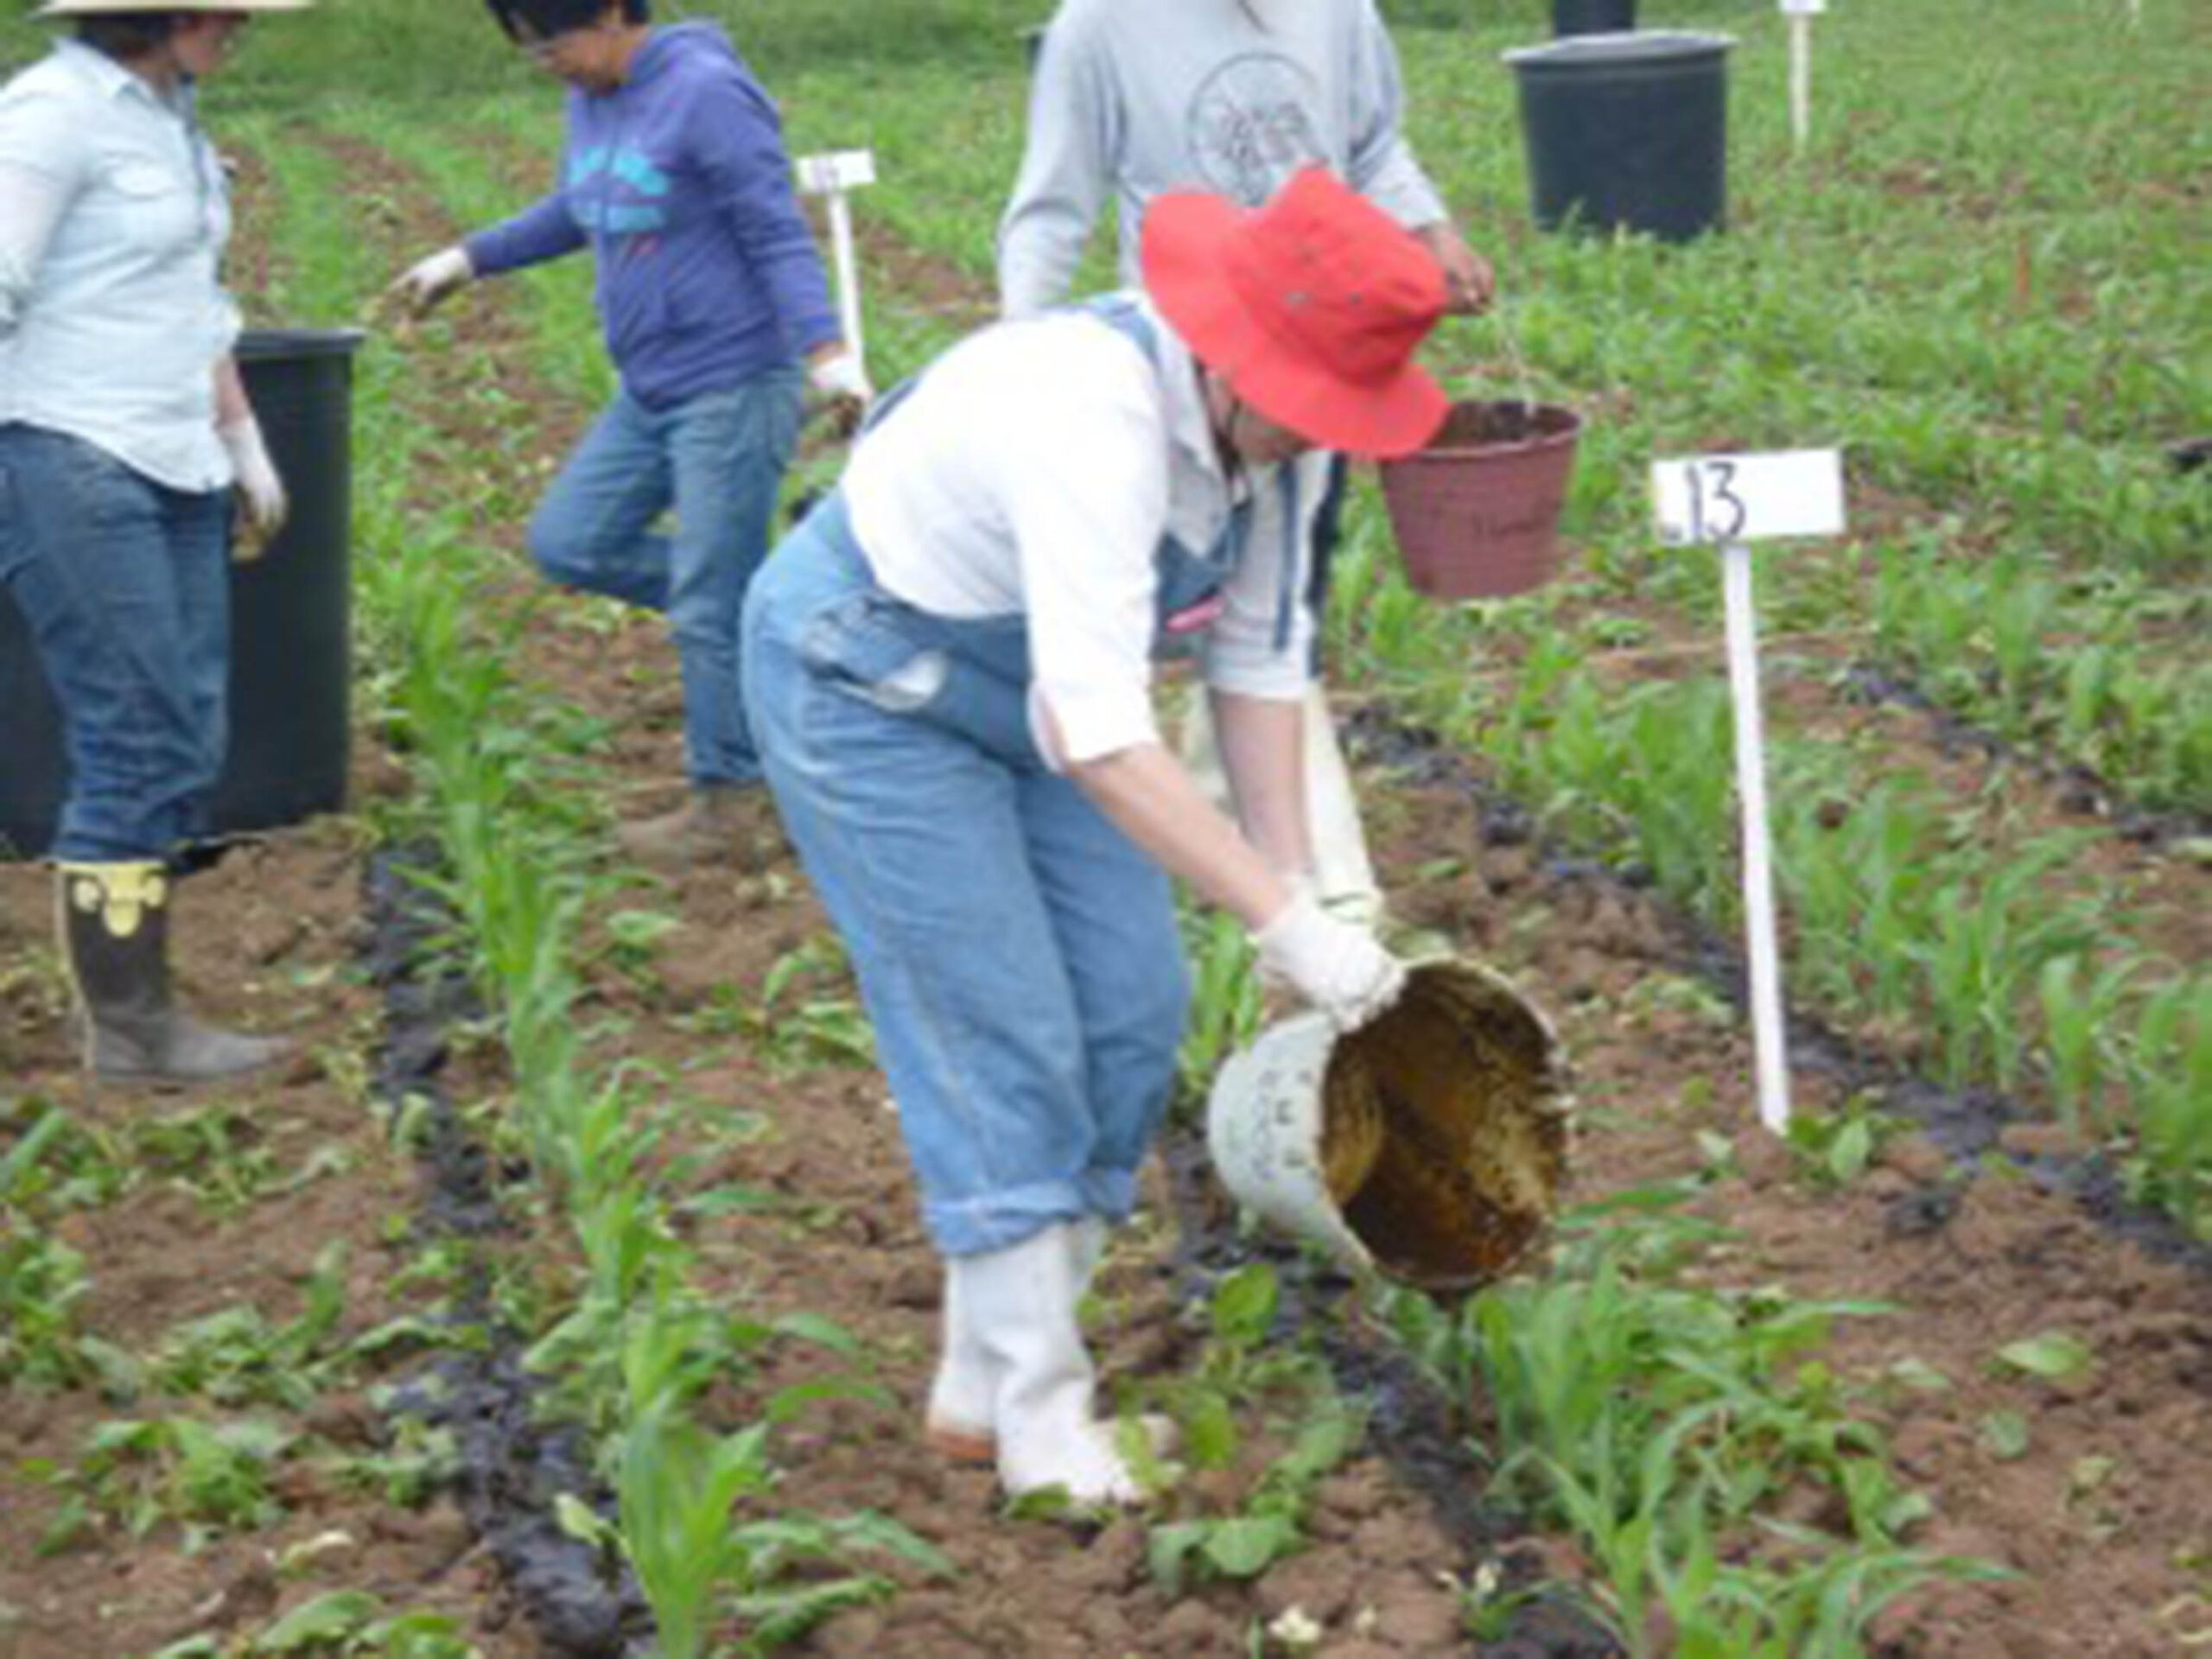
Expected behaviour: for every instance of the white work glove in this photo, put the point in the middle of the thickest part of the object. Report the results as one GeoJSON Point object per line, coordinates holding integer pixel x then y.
{"type": "Point", "coordinates": [424, 284]}
{"type": "Point", "coordinates": [262, 502]}
{"type": "Point", "coordinates": [843, 385]}
{"type": "Point", "coordinates": [1339, 968]}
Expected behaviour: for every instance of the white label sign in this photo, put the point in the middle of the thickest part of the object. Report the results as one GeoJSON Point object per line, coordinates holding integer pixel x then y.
{"type": "Point", "coordinates": [837, 169]}
{"type": "Point", "coordinates": [1804, 8]}
{"type": "Point", "coordinates": [1705, 498]}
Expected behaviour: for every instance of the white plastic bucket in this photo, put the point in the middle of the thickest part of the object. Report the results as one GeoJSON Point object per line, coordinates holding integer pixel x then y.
{"type": "Point", "coordinates": [1456, 1179]}
{"type": "Point", "coordinates": [1263, 1129]}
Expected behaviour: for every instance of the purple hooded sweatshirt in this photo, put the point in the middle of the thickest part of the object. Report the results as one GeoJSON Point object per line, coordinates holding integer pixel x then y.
{"type": "Point", "coordinates": [678, 182]}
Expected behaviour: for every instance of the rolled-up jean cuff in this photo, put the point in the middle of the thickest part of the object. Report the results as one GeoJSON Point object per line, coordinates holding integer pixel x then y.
{"type": "Point", "coordinates": [999, 1221]}
{"type": "Point", "coordinates": [1109, 1194]}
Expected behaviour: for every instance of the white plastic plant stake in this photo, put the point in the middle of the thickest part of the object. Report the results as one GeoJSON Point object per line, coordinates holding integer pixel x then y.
{"type": "Point", "coordinates": [836, 173]}
{"type": "Point", "coordinates": [1733, 500]}
{"type": "Point", "coordinates": [1801, 14]}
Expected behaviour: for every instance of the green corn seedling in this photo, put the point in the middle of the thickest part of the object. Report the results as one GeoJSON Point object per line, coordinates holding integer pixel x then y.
{"type": "Point", "coordinates": [1985, 953]}
{"type": "Point", "coordinates": [2171, 1083]}
{"type": "Point", "coordinates": [2081, 1009]}
{"type": "Point", "coordinates": [1226, 1000]}
{"type": "Point", "coordinates": [678, 1487]}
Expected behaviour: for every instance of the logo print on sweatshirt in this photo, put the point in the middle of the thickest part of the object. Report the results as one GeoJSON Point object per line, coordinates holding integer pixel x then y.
{"type": "Point", "coordinates": [616, 191]}
{"type": "Point", "coordinates": [1249, 131]}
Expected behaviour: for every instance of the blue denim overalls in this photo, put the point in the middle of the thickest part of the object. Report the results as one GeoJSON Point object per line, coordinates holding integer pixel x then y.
{"type": "Point", "coordinates": [1019, 956]}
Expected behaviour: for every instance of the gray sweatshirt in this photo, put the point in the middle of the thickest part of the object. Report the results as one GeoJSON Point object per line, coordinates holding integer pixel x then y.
{"type": "Point", "coordinates": [1137, 97]}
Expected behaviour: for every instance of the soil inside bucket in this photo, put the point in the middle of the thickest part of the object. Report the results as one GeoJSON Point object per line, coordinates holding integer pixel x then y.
{"type": "Point", "coordinates": [1494, 425]}
{"type": "Point", "coordinates": [1457, 1123]}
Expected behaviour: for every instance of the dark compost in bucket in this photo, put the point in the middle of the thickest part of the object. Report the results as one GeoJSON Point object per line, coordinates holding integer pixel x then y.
{"type": "Point", "coordinates": [1445, 1130]}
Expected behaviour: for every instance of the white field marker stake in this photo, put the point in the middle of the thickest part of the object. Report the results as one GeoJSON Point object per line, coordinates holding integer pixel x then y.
{"type": "Point", "coordinates": [1801, 14]}
{"type": "Point", "coordinates": [835, 175]}
{"type": "Point", "coordinates": [1733, 500]}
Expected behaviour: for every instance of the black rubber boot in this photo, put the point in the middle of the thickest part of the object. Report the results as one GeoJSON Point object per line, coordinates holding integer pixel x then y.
{"type": "Point", "coordinates": [114, 925]}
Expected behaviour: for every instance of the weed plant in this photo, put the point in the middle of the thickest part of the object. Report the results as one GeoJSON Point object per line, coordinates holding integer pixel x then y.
{"type": "Point", "coordinates": [208, 1479]}
{"type": "Point", "coordinates": [336, 1625]}
{"type": "Point", "coordinates": [1244, 1369]}
{"type": "Point", "coordinates": [1226, 999]}
{"type": "Point", "coordinates": [236, 1356]}
{"type": "Point", "coordinates": [41, 1278]}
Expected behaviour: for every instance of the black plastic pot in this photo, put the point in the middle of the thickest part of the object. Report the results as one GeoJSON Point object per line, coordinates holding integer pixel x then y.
{"type": "Point", "coordinates": [291, 662]}
{"type": "Point", "coordinates": [1592, 16]}
{"type": "Point", "coordinates": [1627, 131]}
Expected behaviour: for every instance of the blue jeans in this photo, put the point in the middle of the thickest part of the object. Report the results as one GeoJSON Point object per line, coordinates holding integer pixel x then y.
{"type": "Point", "coordinates": [126, 585]}
{"type": "Point", "coordinates": [1018, 954]}
{"type": "Point", "coordinates": [718, 458]}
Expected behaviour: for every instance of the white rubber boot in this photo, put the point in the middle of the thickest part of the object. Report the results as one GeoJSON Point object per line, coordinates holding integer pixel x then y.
{"type": "Point", "coordinates": [1086, 1250]}
{"type": "Point", "coordinates": [1019, 1305]}
{"type": "Point", "coordinates": [962, 1421]}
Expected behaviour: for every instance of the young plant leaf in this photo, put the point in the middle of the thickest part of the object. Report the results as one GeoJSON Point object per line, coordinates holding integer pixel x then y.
{"type": "Point", "coordinates": [325, 1623]}
{"type": "Point", "coordinates": [2054, 1355]}
{"type": "Point", "coordinates": [2005, 1435]}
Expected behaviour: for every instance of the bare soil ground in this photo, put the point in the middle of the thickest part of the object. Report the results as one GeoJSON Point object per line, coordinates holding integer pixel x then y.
{"type": "Point", "coordinates": [283, 1167]}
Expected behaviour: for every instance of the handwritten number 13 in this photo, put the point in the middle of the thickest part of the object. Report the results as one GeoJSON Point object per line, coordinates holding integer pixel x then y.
{"type": "Point", "coordinates": [1722, 518]}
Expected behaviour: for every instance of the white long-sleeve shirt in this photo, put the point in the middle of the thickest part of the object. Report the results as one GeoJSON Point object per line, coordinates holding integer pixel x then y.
{"type": "Point", "coordinates": [1032, 471]}
{"type": "Point", "coordinates": [1132, 98]}
{"type": "Point", "coordinates": [113, 215]}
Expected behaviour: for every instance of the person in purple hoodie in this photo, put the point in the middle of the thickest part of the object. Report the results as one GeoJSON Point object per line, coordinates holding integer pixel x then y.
{"type": "Point", "coordinates": [711, 296]}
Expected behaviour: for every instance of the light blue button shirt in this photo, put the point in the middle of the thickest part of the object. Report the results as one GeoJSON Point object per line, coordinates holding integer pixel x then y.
{"type": "Point", "coordinates": [118, 328]}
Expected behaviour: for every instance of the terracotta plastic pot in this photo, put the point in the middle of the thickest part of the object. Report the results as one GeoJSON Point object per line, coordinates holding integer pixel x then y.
{"type": "Point", "coordinates": [1475, 514]}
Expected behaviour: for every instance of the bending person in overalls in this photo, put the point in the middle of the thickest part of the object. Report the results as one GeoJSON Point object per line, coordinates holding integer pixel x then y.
{"type": "Point", "coordinates": [948, 665]}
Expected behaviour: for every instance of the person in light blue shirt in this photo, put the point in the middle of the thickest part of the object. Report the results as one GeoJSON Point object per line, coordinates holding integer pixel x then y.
{"type": "Point", "coordinates": [710, 294]}
{"type": "Point", "coordinates": [129, 455]}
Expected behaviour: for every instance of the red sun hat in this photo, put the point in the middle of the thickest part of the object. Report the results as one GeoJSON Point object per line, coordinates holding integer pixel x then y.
{"type": "Point", "coordinates": [1311, 308]}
